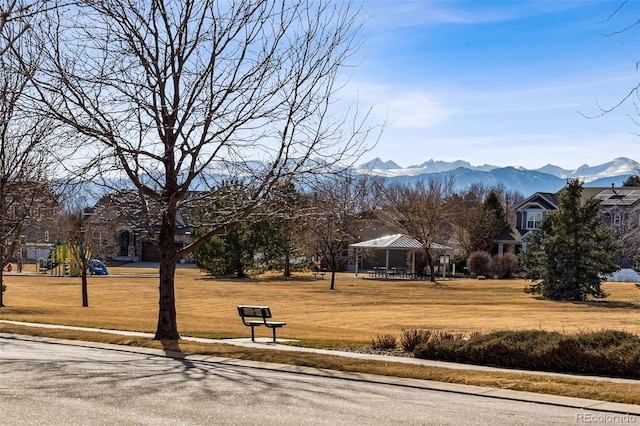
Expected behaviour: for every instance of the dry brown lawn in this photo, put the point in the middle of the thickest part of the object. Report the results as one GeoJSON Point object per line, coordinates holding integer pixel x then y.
{"type": "Point", "coordinates": [352, 314]}
{"type": "Point", "coordinates": [356, 311]}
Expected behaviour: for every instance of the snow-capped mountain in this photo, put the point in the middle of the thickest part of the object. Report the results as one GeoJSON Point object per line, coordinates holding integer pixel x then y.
{"type": "Point", "coordinates": [549, 178]}
{"type": "Point", "coordinates": [389, 168]}
{"type": "Point", "coordinates": [615, 167]}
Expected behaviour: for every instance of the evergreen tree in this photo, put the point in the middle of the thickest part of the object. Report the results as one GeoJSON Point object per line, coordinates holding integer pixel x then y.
{"type": "Point", "coordinates": [492, 221]}
{"type": "Point", "coordinates": [493, 205]}
{"type": "Point", "coordinates": [210, 257]}
{"type": "Point", "coordinates": [572, 251]}
{"type": "Point", "coordinates": [232, 251]}
{"type": "Point", "coordinates": [265, 239]}
{"type": "Point", "coordinates": [633, 180]}
{"type": "Point", "coordinates": [278, 233]}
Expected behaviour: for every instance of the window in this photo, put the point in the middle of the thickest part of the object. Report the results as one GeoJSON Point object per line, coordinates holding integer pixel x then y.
{"type": "Point", "coordinates": [534, 217]}
{"type": "Point", "coordinates": [615, 219]}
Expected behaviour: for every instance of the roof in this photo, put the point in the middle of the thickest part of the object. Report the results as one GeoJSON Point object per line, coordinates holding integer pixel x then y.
{"type": "Point", "coordinates": [125, 206]}
{"type": "Point", "coordinates": [547, 200]}
{"type": "Point", "coordinates": [618, 197]}
{"type": "Point", "coordinates": [398, 242]}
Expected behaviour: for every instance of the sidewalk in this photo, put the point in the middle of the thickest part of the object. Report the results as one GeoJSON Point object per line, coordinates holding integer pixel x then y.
{"type": "Point", "coordinates": [267, 344]}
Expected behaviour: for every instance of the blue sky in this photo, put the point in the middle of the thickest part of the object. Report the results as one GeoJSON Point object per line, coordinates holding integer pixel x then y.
{"type": "Point", "coordinates": [500, 82]}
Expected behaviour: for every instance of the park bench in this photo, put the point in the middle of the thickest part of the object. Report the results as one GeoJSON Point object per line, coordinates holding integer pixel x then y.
{"type": "Point", "coordinates": [320, 272]}
{"type": "Point", "coordinates": [262, 312]}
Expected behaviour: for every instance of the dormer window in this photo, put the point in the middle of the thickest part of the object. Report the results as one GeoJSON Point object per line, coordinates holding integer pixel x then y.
{"type": "Point", "coordinates": [534, 218]}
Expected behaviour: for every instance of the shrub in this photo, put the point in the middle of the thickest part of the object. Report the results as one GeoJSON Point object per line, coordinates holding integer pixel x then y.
{"type": "Point", "coordinates": [603, 353]}
{"type": "Point", "coordinates": [504, 265]}
{"type": "Point", "coordinates": [446, 335]}
{"type": "Point", "coordinates": [385, 341]}
{"type": "Point", "coordinates": [412, 337]}
{"type": "Point", "coordinates": [479, 263]}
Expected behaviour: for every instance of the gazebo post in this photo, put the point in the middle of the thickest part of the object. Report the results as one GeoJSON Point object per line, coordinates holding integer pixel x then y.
{"type": "Point", "coordinates": [386, 266]}
{"type": "Point", "coordinates": [413, 263]}
{"type": "Point", "coordinates": [357, 260]}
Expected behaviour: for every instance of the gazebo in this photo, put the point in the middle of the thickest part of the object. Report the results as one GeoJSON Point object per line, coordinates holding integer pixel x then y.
{"type": "Point", "coordinates": [395, 242]}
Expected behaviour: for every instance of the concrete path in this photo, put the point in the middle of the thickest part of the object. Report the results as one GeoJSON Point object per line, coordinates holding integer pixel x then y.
{"type": "Point", "coordinates": [267, 344]}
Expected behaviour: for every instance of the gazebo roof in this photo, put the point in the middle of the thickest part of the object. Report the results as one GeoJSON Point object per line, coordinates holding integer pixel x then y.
{"type": "Point", "coordinates": [397, 242]}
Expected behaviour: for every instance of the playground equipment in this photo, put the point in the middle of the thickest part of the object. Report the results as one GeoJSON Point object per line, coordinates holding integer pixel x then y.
{"type": "Point", "coordinates": [56, 257]}
{"type": "Point", "coordinates": [67, 260]}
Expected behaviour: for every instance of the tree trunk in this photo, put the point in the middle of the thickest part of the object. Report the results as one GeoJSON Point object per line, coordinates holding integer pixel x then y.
{"type": "Point", "coordinates": [167, 328]}
{"type": "Point", "coordinates": [333, 270]}
{"type": "Point", "coordinates": [1, 285]}
{"type": "Point", "coordinates": [85, 293]}
{"type": "Point", "coordinates": [432, 270]}
{"type": "Point", "coordinates": [287, 266]}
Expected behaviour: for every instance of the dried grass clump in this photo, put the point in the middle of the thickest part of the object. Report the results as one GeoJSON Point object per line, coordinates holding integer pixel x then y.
{"type": "Point", "coordinates": [385, 341]}
{"type": "Point", "coordinates": [412, 337]}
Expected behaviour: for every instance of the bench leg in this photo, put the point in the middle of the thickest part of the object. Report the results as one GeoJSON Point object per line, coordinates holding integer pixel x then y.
{"type": "Point", "coordinates": [253, 339]}
{"type": "Point", "coordinates": [274, 334]}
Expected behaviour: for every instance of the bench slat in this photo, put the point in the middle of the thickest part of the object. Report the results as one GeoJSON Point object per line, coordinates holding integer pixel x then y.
{"type": "Point", "coordinates": [252, 311]}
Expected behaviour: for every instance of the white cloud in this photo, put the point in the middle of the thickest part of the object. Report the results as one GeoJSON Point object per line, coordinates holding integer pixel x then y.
{"type": "Point", "coordinates": [417, 110]}
{"type": "Point", "coordinates": [403, 13]}
{"type": "Point", "coordinates": [399, 106]}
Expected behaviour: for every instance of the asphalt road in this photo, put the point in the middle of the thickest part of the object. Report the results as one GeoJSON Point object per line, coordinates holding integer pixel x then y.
{"type": "Point", "coordinates": [57, 382]}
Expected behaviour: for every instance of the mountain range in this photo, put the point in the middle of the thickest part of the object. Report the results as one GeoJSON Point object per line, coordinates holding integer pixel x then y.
{"type": "Point", "coordinates": [549, 178]}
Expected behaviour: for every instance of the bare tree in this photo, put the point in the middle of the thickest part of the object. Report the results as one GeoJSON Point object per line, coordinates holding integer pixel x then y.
{"type": "Point", "coordinates": [623, 21]}
{"type": "Point", "coordinates": [420, 212]}
{"type": "Point", "coordinates": [170, 94]}
{"type": "Point", "coordinates": [479, 215]}
{"type": "Point", "coordinates": [81, 252]}
{"type": "Point", "coordinates": [14, 16]}
{"type": "Point", "coordinates": [23, 155]}
{"type": "Point", "coordinates": [75, 227]}
{"type": "Point", "coordinates": [476, 231]}
{"type": "Point", "coordinates": [335, 218]}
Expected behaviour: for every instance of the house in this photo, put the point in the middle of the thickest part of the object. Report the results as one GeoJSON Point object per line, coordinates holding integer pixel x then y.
{"type": "Point", "coordinates": [121, 230]}
{"type": "Point", "coordinates": [529, 214]}
{"type": "Point", "coordinates": [619, 208]}
{"type": "Point", "coordinates": [33, 217]}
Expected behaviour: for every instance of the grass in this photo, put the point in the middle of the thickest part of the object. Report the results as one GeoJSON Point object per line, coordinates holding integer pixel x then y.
{"type": "Point", "coordinates": [352, 315]}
